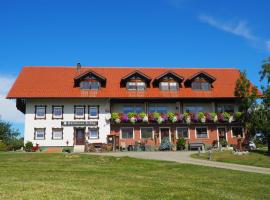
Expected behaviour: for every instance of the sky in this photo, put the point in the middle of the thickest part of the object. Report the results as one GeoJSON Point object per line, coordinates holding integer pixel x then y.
{"type": "Point", "coordinates": [145, 33]}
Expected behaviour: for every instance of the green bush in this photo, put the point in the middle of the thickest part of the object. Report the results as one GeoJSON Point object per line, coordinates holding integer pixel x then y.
{"type": "Point", "coordinates": [223, 142]}
{"type": "Point", "coordinates": [15, 144]}
{"type": "Point", "coordinates": [3, 146]}
{"type": "Point", "coordinates": [181, 144]}
{"type": "Point", "coordinates": [28, 146]}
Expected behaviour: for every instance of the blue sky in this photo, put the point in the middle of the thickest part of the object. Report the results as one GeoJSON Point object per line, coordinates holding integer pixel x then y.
{"type": "Point", "coordinates": [163, 33]}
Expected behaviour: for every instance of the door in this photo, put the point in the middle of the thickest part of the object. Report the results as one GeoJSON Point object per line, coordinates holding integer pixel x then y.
{"type": "Point", "coordinates": [164, 132]}
{"type": "Point", "coordinates": [79, 136]}
{"type": "Point", "coordinates": [222, 136]}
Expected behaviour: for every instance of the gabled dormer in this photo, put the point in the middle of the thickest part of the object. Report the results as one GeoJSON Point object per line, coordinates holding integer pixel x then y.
{"type": "Point", "coordinates": [168, 81]}
{"type": "Point", "coordinates": [89, 80]}
{"type": "Point", "coordinates": [135, 81]}
{"type": "Point", "coordinates": [201, 81]}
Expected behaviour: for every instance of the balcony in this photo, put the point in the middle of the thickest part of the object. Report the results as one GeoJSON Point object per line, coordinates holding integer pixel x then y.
{"type": "Point", "coordinates": [177, 118]}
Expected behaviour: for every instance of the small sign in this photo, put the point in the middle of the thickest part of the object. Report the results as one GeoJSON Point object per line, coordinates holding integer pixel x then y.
{"type": "Point", "coordinates": [79, 123]}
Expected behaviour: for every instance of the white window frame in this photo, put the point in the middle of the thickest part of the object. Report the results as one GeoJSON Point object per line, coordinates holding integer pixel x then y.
{"type": "Point", "coordinates": [59, 129]}
{"type": "Point", "coordinates": [35, 134]}
{"type": "Point", "coordinates": [207, 131]}
{"type": "Point", "coordinates": [152, 133]}
{"type": "Point", "coordinates": [183, 127]}
{"type": "Point", "coordinates": [127, 138]}
{"type": "Point", "coordinates": [89, 133]}
{"type": "Point", "coordinates": [243, 131]}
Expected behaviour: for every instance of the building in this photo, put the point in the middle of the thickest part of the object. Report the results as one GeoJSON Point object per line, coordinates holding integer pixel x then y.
{"type": "Point", "coordinates": [71, 106]}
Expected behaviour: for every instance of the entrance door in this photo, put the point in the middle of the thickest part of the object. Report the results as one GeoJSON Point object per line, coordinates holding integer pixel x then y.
{"type": "Point", "coordinates": [79, 136]}
{"type": "Point", "coordinates": [164, 132]}
{"type": "Point", "coordinates": [222, 136]}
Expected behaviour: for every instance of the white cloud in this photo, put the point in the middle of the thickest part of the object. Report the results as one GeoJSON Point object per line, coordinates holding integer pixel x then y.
{"type": "Point", "coordinates": [239, 28]}
{"type": "Point", "coordinates": [8, 110]}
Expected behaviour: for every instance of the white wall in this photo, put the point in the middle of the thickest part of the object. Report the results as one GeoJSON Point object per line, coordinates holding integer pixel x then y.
{"type": "Point", "coordinates": [68, 132]}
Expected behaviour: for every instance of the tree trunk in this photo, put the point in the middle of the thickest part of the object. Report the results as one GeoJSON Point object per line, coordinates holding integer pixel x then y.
{"type": "Point", "coordinates": [268, 142]}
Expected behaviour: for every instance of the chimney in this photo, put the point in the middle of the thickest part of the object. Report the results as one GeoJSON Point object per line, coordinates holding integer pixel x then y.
{"type": "Point", "coordinates": [79, 67]}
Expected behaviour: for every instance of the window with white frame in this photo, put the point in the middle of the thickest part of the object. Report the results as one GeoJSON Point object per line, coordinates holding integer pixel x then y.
{"type": "Point", "coordinates": [93, 133]}
{"type": "Point", "coordinates": [146, 133]}
{"type": "Point", "coordinates": [166, 86]}
{"type": "Point", "coordinates": [182, 132]}
{"type": "Point", "coordinates": [57, 133]}
{"type": "Point", "coordinates": [201, 132]}
{"type": "Point", "coordinates": [126, 133]}
{"type": "Point", "coordinates": [136, 85]}
{"type": "Point", "coordinates": [237, 131]}
{"type": "Point", "coordinates": [89, 85]}
{"type": "Point", "coordinates": [40, 112]}
{"type": "Point", "coordinates": [57, 112]}
{"type": "Point", "coordinates": [39, 134]}
{"type": "Point", "coordinates": [79, 112]}
{"type": "Point", "coordinates": [93, 111]}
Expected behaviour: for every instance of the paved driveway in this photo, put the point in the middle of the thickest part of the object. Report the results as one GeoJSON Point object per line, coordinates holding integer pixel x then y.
{"type": "Point", "coordinates": [184, 157]}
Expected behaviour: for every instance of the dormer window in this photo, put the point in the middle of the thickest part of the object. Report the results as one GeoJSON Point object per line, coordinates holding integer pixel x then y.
{"type": "Point", "coordinates": [168, 81]}
{"type": "Point", "coordinates": [168, 86]}
{"type": "Point", "coordinates": [140, 86]}
{"type": "Point", "coordinates": [201, 81]}
{"type": "Point", "coordinates": [135, 81]}
{"type": "Point", "coordinates": [89, 85]}
{"type": "Point", "coordinates": [200, 84]}
{"type": "Point", "coordinates": [89, 80]}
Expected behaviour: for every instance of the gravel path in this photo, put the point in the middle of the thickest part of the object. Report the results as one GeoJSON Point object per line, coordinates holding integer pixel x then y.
{"type": "Point", "coordinates": [184, 157]}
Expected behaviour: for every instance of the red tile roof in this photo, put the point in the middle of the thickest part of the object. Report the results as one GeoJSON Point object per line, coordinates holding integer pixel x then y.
{"type": "Point", "coordinates": [58, 82]}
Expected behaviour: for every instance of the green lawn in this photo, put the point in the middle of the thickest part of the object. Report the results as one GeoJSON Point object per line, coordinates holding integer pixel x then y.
{"type": "Point", "coordinates": [255, 158]}
{"type": "Point", "coordinates": [73, 176]}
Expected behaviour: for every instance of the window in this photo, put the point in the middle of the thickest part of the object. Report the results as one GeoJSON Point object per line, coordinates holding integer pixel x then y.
{"type": "Point", "coordinates": [79, 112]}
{"type": "Point", "coordinates": [93, 134]}
{"type": "Point", "coordinates": [126, 133]}
{"type": "Point", "coordinates": [172, 86]}
{"type": "Point", "coordinates": [57, 133]}
{"type": "Point", "coordinates": [159, 109]}
{"type": "Point", "coordinates": [194, 109]}
{"type": "Point", "coordinates": [182, 132]}
{"type": "Point", "coordinates": [201, 132]}
{"type": "Point", "coordinates": [196, 85]}
{"type": "Point", "coordinates": [136, 86]}
{"type": "Point", "coordinates": [146, 133]}
{"type": "Point", "coordinates": [40, 112]}
{"type": "Point", "coordinates": [57, 112]}
{"type": "Point", "coordinates": [237, 131]}
{"type": "Point", "coordinates": [93, 112]}
{"type": "Point", "coordinates": [39, 134]}
{"type": "Point", "coordinates": [225, 108]}
{"type": "Point", "coordinates": [133, 108]}
{"type": "Point", "coordinates": [89, 85]}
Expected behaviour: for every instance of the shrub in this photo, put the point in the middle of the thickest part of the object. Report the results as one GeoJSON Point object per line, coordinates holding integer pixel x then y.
{"type": "Point", "coordinates": [28, 146]}
{"type": "Point", "coordinates": [3, 146]}
{"type": "Point", "coordinates": [15, 144]}
{"type": "Point", "coordinates": [165, 144]}
{"type": "Point", "coordinates": [181, 144]}
{"type": "Point", "coordinates": [223, 142]}
{"type": "Point", "coordinates": [115, 116]}
{"type": "Point", "coordinates": [226, 116]}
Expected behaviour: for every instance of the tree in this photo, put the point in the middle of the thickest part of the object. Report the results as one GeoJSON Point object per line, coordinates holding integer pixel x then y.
{"type": "Point", "coordinates": [247, 94]}
{"type": "Point", "coordinates": [8, 136]}
{"type": "Point", "coordinates": [262, 113]}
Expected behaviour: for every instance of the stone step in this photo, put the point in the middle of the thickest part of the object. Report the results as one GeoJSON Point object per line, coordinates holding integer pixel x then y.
{"type": "Point", "coordinates": [78, 148]}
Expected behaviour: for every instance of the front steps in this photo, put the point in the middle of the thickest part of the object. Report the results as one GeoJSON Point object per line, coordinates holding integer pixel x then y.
{"type": "Point", "coordinates": [78, 148]}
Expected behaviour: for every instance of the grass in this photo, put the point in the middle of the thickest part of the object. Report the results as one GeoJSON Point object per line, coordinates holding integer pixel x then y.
{"type": "Point", "coordinates": [257, 158]}
{"type": "Point", "coordinates": [73, 176]}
